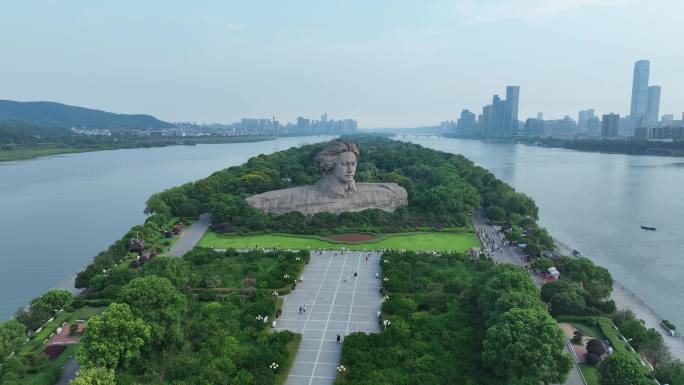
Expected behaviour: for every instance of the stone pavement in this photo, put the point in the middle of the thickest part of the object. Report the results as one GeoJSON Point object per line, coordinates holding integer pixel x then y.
{"type": "Point", "coordinates": [335, 305]}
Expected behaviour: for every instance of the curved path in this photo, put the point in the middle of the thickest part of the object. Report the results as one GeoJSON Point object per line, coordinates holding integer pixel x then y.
{"type": "Point", "coordinates": [191, 237]}
{"type": "Point", "coordinates": [335, 305]}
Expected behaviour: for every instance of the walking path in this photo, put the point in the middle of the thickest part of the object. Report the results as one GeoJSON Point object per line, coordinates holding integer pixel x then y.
{"type": "Point", "coordinates": [191, 237]}
{"type": "Point", "coordinates": [333, 302]}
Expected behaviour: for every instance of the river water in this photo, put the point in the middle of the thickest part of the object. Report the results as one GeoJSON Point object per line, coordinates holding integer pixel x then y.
{"type": "Point", "coordinates": [58, 212]}
{"type": "Point", "coordinates": [596, 203]}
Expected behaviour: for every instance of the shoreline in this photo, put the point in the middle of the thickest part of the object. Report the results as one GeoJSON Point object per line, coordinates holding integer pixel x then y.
{"type": "Point", "coordinates": [35, 152]}
{"type": "Point", "coordinates": [626, 299]}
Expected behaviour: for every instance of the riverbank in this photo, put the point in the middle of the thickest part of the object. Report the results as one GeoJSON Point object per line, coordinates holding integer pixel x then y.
{"type": "Point", "coordinates": [24, 152]}
{"type": "Point", "coordinates": [603, 146]}
{"type": "Point", "coordinates": [626, 299]}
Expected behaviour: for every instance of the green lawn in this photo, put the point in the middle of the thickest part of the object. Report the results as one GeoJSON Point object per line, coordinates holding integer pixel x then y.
{"type": "Point", "coordinates": [413, 242]}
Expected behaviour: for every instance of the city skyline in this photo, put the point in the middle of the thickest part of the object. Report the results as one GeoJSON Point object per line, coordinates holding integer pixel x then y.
{"type": "Point", "coordinates": [401, 66]}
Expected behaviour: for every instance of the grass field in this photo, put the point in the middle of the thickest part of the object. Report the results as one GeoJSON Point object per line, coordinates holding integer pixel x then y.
{"type": "Point", "coordinates": [413, 241]}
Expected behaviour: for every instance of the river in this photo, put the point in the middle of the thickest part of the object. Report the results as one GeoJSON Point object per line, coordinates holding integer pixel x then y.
{"type": "Point", "coordinates": [60, 211]}
{"type": "Point", "coordinates": [596, 203]}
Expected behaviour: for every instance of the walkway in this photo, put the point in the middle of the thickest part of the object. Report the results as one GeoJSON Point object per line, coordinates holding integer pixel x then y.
{"type": "Point", "coordinates": [191, 237]}
{"type": "Point", "coordinates": [335, 305]}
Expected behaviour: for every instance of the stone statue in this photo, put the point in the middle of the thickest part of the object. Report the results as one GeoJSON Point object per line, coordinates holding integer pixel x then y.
{"type": "Point", "coordinates": [336, 191]}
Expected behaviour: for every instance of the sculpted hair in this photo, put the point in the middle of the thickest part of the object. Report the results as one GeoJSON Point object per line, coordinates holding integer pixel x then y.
{"type": "Point", "coordinates": [327, 157]}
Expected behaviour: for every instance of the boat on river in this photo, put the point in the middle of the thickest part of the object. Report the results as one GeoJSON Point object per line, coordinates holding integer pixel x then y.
{"type": "Point", "coordinates": [648, 228]}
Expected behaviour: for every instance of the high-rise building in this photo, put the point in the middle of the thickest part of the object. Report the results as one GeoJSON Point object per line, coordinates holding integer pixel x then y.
{"type": "Point", "coordinates": [653, 106]}
{"type": "Point", "coordinates": [498, 116]}
{"type": "Point", "coordinates": [465, 126]}
{"type": "Point", "coordinates": [324, 118]}
{"type": "Point", "coordinates": [486, 121]}
{"type": "Point", "coordinates": [511, 115]}
{"type": "Point", "coordinates": [583, 119]}
{"type": "Point", "coordinates": [534, 127]}
{"type": "Point", "coordinates": [667, 119]}
{"type": "Point", "coordinates": [540, 116]}
{"type": "Point", "coordinates": [639, 106]}
{"type": "Point", "coordinates": [609, 125]}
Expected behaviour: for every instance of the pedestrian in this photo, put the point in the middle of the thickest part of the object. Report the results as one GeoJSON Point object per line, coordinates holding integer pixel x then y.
{"type": "Point", "coordinates": [273, 324]}
{"type": "Point", "coordinates": [338, 339]}
{"type": "Point", "coordinates": [377, 275]}
{"type": "Point", "coordinates": [304, 308]}
{"type": "Point", "coordinates": [300, 309]}
{"type": "Point", "coordinates": [355, 274]}
{"type": "Point", "coordinates": [346, 278]}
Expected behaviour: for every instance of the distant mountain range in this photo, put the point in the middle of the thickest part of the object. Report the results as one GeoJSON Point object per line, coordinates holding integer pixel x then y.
{"type": "Point", "coordinates": [51, 114]}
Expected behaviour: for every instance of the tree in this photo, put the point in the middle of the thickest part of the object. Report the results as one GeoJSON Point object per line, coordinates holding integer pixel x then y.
{"type": "Point", "coordinates": [504, 279]}
{"type": "Point", "coordinates": [159, 304]}
{"type": "Point", "coordinates": [635, 331]}
{"type": "Point", "coordinates": [595, 279]}
{"type": "Point", "coordinates": [112, 338]}
{"type": "Point", "coordinates": [596, 347]}
{"type": "Point", "coordinates": [513, 300]}
{"type": "Point", "coordinates": [526, 343]}
{"type": "Point", "coordinates": [174, 269]}
{"type": "Point", "coordinates": [542, 264]}
{"type": "Point", "coordinates": [496, 213]}
{"type": "Point", "coordinates": [620, 369]}
{"type": "Point", "coordinates": [671, 372]}
{"type": "Point", "coordinates": [12, 335]}
{"type": "Point", "coordinates": [655, 351]}
{"type": "Point", "coordinates": [568, 302]}
{"type": "Point", "coordinates": [52, 300]}
{"type": "Point", "coordinates": [94, 376]}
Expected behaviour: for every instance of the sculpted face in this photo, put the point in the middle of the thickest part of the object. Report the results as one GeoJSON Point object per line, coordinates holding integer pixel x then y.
{"type": "Point", "coordinates": [345, 168]}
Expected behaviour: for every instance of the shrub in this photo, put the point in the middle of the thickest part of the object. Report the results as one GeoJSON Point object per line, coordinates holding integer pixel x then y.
{"type": "Point", "coordinates": [592, 359]}
{"type": "Point", "coordinates": [596, 347]}
{"type": "Point", "coordinates": [577, 337]}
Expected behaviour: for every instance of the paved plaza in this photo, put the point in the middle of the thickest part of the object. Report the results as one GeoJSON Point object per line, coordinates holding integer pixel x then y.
{"type": "Point", "coordinates": [333, 302]}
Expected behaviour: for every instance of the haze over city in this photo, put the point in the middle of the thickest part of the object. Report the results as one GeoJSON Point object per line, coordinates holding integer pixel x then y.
{"type": "Point", "coordinates": [390, 64]}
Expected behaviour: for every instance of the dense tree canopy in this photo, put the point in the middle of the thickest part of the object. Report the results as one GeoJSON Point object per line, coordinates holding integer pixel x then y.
{"type": "Point", "coordinates": [620, 369]}
{"type": "Point", "coordinates": [11, 337]}
{"type": "Point", "coordinates": [113, 338]}
{"type": "Point", "coordinates": [444, 189]}
{"type": "Point", "coordinates": [159, 304]}
{"type": "Point", "coordinates": [527, 344]}
{"type": "Point", "coordinates": [94, 376]}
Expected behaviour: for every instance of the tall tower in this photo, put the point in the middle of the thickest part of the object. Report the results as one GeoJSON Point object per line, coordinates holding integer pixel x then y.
{"type": "Point", "coordinates": [498, 117]}
{"type": "Point", "coordinates": [653, 106]}
{"type": "Point", "coordinates": [639, 105]}
{"type": "Point", "coordinates": [511, 116]}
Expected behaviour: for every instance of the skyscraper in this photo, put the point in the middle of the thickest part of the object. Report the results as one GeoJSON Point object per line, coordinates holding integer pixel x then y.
{"type": "Point", "coordinates": [498, 117]}
{"type": "Point", "coordinates": [609, 125]}
{"type": "Point", "coordinates": [583, 119]}
{"type": "Point", "coordinates": [653, 106]}
{"type": "Point", "coordinates": [511, 115]}
{"type": "Point", "coordinates": [637, 112]}
{"type": "Point", "coordinates": [465, 126]}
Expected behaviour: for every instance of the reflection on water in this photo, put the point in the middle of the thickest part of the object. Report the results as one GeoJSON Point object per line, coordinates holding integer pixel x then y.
{"type": "Point", "coordinates": [59, 211]}
{"type": "Point", "coordinates": [597, 203]}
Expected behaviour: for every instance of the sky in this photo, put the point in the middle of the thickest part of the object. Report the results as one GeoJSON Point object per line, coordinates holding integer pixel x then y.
{"type": "Point", "coordinates": [385, 63]}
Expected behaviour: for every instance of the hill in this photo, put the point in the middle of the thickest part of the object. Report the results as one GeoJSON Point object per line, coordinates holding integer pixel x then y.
{"type": "Point", "coordinates": [51, 114]}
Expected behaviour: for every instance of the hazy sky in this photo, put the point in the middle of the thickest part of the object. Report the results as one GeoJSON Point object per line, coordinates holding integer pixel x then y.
{"type": "Point", "coordinates": [385, 63]}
